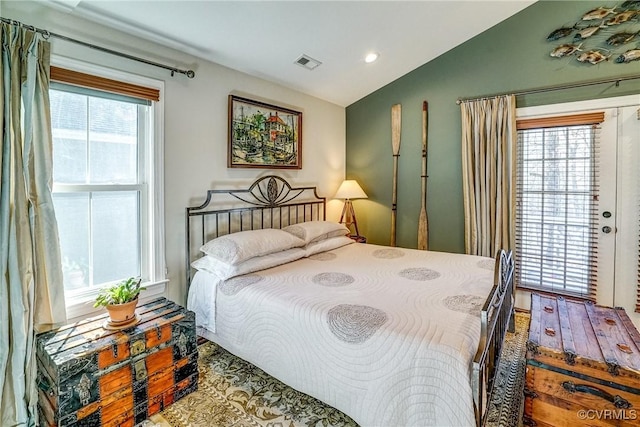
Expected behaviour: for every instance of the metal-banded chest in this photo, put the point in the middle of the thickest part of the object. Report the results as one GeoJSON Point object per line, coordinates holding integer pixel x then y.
{"type": "Point", "coordinates": [583, 365]}
{"type": "Point", "coordinates": [90, 376]}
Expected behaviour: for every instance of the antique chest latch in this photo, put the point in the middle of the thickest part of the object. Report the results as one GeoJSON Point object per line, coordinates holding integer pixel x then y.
{"type": "Point", "coordinates": [140, 370]}
{"type": "Point", "coordinates": [613, 366]}
{"type": "Point", "coordinates": [570, 357]}
{"type": "Point", "coordinates": [137, 347]}
{"type": "Point", "coordinates": [114, 349]}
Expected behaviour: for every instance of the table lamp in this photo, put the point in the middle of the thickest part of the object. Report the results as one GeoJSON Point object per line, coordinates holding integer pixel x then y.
{"type": "Point", "coordinates": [349, 190]}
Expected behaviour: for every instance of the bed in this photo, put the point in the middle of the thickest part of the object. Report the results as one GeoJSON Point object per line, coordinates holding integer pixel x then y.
{"type": "Point", "coordinates": [389, 336]}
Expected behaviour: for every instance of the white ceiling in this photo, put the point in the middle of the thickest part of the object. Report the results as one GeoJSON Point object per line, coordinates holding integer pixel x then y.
{"type": "Point", "coordinates": [264, 38]}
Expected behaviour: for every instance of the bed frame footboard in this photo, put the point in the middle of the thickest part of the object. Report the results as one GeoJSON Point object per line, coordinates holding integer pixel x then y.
{"type": "Point", "coordinates": [497, 317]}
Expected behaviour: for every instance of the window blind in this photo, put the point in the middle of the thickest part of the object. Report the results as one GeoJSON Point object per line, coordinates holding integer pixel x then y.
{"type": "Point", "coordinates": [75, 78]}
{"type": "Point", "coordinates": [557, 204]}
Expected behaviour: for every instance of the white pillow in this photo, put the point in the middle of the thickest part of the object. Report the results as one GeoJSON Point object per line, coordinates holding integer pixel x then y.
{"type": "Point", "coordinates": [226, 271]}
{"type": "Point", "coordinates": [326, 245]}
{"type": "Point", "coordinates": [238, 247]}
{"type": "Point", "coordinates": [314, 231]}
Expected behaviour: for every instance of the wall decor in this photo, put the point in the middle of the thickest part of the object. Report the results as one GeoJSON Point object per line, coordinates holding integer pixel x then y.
{"type": "Point", "coordinates": [601, 34]}
{"type": "Point", "coordinates": [263, 135]}
{"type": "Point", "coordinates": [396, 133]}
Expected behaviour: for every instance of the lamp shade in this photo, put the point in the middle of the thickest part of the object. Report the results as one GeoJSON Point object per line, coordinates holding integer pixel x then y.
{"type": "Point", "coordinates": [350, 189]}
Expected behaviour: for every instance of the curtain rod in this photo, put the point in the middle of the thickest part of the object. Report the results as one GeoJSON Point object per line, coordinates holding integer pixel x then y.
{"type": "Point", "coordinates": [615, 80]}
{"type": "Point", "coordinates": [189, 73]}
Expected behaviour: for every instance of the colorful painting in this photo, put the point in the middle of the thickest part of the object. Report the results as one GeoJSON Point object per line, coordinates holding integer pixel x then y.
{"type": "Point", "coordinates": [263, 135]}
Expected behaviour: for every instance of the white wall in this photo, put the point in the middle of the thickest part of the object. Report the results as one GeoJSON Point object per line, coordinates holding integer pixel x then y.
{"type": "Point", "coordinates": [196, 121]}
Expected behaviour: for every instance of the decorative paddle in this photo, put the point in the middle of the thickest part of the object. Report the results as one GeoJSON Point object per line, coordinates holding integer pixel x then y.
{"type": "Point", "coordinates": [396, 125]}
{"type": "Point", "coordinates": [423, 222]}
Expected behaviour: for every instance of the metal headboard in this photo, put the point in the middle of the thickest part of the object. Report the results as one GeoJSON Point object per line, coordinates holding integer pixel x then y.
{"type": "Point", "coordinates": [270, 202]}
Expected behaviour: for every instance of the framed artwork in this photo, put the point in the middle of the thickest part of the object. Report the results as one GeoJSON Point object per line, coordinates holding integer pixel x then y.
{"type": "Point", "coordinates": [263, 135]}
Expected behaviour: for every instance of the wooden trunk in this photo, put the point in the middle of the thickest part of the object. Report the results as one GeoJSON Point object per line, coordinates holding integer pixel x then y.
{"type": "Point", "coordinates": [90, 376]}
{"type": "Point", "coordinates": [583, 365]}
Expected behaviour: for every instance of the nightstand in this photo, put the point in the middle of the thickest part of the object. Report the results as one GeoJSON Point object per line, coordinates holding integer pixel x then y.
{"type": "Point", "coordinates": [358, 239]}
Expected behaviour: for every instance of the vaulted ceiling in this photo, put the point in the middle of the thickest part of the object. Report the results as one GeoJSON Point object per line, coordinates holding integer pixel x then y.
{"type": "Point", "coordinates": [266, 38]}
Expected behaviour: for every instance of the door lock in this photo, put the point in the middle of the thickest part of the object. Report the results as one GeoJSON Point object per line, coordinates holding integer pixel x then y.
{"type": "Point", "coordinates": [606, 229]}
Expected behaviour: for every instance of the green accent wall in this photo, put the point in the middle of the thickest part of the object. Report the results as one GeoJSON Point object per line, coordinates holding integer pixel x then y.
{"type": "Point", "coordinates": [511, 56]}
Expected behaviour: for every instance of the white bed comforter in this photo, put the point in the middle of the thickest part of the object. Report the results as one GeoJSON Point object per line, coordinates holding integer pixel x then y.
{"type": "Point", "coordinates": [386, 335]}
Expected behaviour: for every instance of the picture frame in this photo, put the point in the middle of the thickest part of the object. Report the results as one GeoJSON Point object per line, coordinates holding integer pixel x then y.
{"type": "Point", "coordinates": [262, 135]}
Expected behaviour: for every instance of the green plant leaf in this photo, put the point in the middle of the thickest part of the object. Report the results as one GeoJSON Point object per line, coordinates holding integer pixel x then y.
{"type": "Point", "coordinates": [124, 291]}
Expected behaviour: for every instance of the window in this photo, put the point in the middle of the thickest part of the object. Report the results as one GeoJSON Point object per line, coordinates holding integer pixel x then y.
{"type": "Point", "coordinates": [556, 204]}
{"type": "Point", "coordinates": [107, 188]}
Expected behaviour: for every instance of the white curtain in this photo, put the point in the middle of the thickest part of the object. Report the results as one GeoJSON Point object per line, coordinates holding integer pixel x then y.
{"type": "Point", "coordinates": [31, 287]}
{"type": "Point", "coordinates": [488, 172]}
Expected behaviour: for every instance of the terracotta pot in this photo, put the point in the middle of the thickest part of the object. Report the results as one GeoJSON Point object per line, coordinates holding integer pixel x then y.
{"type": "Point", "coordinates": [122, 313]}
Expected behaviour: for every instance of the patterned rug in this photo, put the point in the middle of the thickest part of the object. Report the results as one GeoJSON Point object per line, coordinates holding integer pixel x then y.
{"type": "Point", "coordinates": [234, 393]}
{"type": "Point", "coordinates": [506, 405]}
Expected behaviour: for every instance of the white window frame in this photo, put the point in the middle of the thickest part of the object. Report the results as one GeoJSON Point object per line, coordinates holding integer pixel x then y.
{"type": "Point", "coordinates": [605, 294]}
{"type": "Point", "coordinates": [154, 270]}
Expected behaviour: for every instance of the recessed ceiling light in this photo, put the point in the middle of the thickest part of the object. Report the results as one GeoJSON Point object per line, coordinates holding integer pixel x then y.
{"type": "Point", "coordinates": [371, 57]}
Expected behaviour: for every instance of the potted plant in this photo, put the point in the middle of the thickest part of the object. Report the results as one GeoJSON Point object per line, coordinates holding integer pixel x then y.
{"type": "Point", "coordinates": [120, 300]}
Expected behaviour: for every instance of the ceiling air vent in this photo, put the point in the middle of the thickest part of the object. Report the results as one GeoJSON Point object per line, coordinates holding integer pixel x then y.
{"type": "Point", "coordinates": [307, 62]}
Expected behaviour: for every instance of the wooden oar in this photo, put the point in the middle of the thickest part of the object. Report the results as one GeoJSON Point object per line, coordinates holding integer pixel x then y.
{"type": "Point", "coordinates": [396, 125]}
{"type": "Point", "coordinates": [423, 222]}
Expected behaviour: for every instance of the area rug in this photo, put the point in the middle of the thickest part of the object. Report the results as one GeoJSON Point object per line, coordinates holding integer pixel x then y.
{"type": "Point", "coordinates": [235, 393]}
{"type": "Point", "coordinates": [506, 404]}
